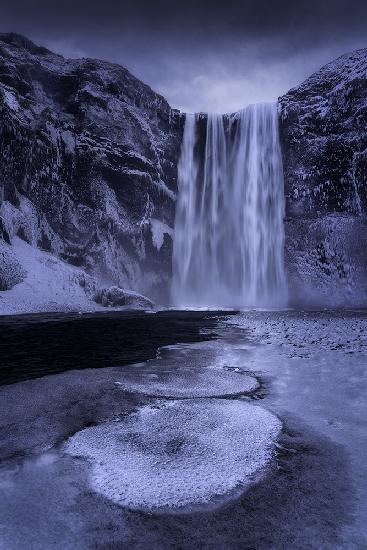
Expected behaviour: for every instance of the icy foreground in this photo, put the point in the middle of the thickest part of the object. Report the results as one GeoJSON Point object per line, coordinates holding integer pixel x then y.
{"type": "Point", "coordinates": [177, 454]}
{"type": "Point", "coordinates": [190, 375]}
{"type": "Point", "coordinates": [166, 455]}
{"type": "Point", "coordinates": [316, 362]}
{"type": "Point", "coordinates": [73, 443]}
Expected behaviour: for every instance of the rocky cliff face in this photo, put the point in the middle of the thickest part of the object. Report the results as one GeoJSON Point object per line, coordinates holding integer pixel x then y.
{"type": "Point", "coordinates": [323, 127]}
{"type": "Point", "coordinates": [88, 173]}
{"type": "Point", "coordinates": [88, 165]}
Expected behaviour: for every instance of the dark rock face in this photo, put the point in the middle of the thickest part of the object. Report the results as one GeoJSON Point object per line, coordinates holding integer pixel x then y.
{"type": "Point", "coordinates": [323, 128]}
{"type": "Point", "coordinates": [88, 165]}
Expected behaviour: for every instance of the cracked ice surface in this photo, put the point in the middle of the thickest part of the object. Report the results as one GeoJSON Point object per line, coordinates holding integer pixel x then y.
{"type": "Point", "coordinates": [179, 453]}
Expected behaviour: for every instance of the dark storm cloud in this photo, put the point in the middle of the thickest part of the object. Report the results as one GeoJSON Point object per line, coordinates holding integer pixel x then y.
{"type": "Point", "coordinates": [200, 55]}
{"type": "Point", "coordinates": [249, 15]}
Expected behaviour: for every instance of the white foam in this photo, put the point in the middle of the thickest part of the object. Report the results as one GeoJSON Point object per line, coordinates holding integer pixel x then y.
{"type": "Point", "coordinates": [178, 454]}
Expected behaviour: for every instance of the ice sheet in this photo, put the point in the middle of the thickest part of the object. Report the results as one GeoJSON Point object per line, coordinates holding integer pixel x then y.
{"type": "Point", "coordinates": [177, 453]}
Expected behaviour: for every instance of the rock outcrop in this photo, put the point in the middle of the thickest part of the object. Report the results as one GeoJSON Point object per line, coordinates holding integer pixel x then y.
{"type": "Point", "coordinates": [88, 165]}
{"type": "Point", "coordinates": [115, 297]}
{"type": "Point", "coordinates": [323, 127]}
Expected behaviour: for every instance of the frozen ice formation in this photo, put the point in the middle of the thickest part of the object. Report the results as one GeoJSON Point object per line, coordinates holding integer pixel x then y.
{"type": "Point", "coordinates": [204, 369]}
{"type": "Point", "coordinates": [189, 382]}
{"type": "Point", "coordinates": [178, 454]}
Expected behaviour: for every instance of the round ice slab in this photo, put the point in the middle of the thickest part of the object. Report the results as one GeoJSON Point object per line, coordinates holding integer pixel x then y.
{"type": "Point", "coordinates": [178, 454]}
{"type": "Point", "coordinates": [205, 382]}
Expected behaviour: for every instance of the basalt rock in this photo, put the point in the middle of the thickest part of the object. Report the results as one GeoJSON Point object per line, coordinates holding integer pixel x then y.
{"type": "Point", "coordinates": [116, 297]}
{"type": "Point", "coordinates": [88, 159]}
{"type": "Point", "coordinates": [323, 128]}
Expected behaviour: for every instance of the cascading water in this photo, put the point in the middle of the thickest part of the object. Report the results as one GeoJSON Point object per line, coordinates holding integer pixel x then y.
{"type": "Point", "coordinates": [229, 236]}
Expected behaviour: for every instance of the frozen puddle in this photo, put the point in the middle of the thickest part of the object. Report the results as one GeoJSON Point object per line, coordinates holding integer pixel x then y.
{"type": "Point", "coordinates": [178, 454]}
{"type": "Point", "coordinates": [189, 449]}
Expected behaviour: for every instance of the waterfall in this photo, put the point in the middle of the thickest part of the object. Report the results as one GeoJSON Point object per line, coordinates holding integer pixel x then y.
{"type": "Point", "coordinates": [229, 236]}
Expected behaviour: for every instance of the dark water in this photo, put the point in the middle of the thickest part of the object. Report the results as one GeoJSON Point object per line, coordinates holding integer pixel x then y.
{"type": "Point", "coordinates": [36, 345]}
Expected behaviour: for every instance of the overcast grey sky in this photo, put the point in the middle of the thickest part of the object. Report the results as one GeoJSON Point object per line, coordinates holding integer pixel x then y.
{"type": "Point", "coordinates": [202, 56]}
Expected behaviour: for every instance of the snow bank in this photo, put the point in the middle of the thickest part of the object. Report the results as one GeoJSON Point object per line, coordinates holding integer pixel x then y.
{"type": "Point", "coordinates": [46, 284]}
{"type": "Point", "coordinates": [10, 99]}
{"type": "Point", "coordinates": [50, 284]}
{"type": "Point", "coordinates": [114, 296]}
{"type": "Point", "coordinates": [178, 454]}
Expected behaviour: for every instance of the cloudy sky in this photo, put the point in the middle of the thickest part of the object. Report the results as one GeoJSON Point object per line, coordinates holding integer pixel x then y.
{"type": "Point", "coordinates": [201, 55]}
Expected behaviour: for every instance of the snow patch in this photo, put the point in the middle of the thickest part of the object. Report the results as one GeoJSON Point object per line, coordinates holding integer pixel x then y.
{"type": "Point", "coordinates": [69, 140]}
{"type": "Point", "coordinates": [11, 100]}
{"type": "Point", "coordinates": [47, 284]}
{"type": "Point", "coordinates": [159, 229]}
{"type": "Point", "coordinates": [50, 284]}
{"type": "Point", "coordinates": [163, 187]}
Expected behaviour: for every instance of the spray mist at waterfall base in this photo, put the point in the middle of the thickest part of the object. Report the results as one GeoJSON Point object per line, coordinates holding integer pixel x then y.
{"type": "Point", "coordinates": [229, 236]}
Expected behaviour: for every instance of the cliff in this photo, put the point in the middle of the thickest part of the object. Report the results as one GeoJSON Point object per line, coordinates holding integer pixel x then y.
{"type": "Point", "coordinates": [88, 176]}
{"type": "Point", "coordinates": [323, 129]}
{"type": "Point", "coordinates": [88, 167]}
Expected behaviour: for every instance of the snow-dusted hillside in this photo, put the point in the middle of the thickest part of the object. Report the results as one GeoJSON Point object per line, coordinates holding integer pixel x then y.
{"type": "Point", "coordinates": [323, 124]}
{"type": "Point", "coordinates": [45, 283]}
{"type": "Point", "coordinates": [88, 157]}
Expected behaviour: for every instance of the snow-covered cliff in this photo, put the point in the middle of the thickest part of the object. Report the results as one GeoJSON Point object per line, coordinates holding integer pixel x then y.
{"type": "Point", "coordinates": [323, 125]}
{"type": "Point", "coordinates": [88, 166]}
{"type": "Point", "coordinates": [88, 174]}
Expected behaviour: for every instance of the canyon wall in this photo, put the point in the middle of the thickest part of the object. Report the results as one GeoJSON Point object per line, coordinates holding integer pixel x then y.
{"type": "Point", "coordinates": [88, 165]}
{"type": "Point", "coordinates": [323, 129]}
{"type": "Point", "coordinates": [88, 173]}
